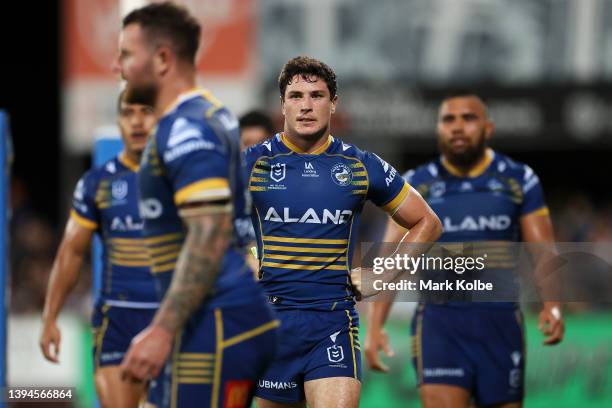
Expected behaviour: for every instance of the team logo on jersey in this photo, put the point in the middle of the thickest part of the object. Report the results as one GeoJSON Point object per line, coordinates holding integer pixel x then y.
{"type": "Point", "coordinates": [79, 191]}
{"type": "Point", "coordinates": [119, 189]}
{"type": "Point", "coordinates": [278, 171]}
{"type": "Point", "coordinates": [495, 185]}
{"type": "Point", "coordinates": [341, 174]}
{"type": "Point", "coordinates": [437, 189]}
{"type": "Point", "coordinates": [481, 223]}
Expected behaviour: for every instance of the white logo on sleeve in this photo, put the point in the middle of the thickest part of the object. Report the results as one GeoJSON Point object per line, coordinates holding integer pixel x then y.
{"type": "Point", "coordinates": [182, 130]}
{"type": "Point", "coordinates": [516, 357]}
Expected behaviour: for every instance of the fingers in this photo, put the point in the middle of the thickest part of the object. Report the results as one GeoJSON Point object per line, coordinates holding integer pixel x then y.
{"type": "Point", "coordinates": [50, 347]}
{"type": "Point", "coordinates": [387, 349]}
{"type": "Point", "coordinates": [555, 333]}
{"type": "Point", "coordinates": [374, 362]}
{"type": "Point", "coordinates": [137, 368]}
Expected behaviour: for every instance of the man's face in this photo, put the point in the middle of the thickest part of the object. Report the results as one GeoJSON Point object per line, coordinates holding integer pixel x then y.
{"type": "Point", "coordinates": [251, 135]}
{"type": "Point", "coordinates": [135, 65]}
{"type": "Point", "coordinates": [136, 123]}
{"type": "Point", "coordinates": [307, 107]}
{"type": "Point", "coordinates": [463, 130]}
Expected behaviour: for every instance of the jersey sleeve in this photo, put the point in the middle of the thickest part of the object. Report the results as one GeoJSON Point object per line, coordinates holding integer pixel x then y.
{"type": "Point", "coordinates": [196, 163]}
{"type": "Point", "coordinates": [533, 194]}
{"type": "Point", "coordinates": [84, 210]}
{"type": "Point", "coordinates": [387, 189]}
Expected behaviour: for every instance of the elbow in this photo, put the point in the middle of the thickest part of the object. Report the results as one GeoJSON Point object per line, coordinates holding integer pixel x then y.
{"type": "Point", "coordinates": [436, 227]}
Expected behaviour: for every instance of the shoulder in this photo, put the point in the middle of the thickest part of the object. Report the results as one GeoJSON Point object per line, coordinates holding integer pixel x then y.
{"type": "Point", "coordinates": [513, 169]}
{"type": "Point", "coordinates": [424, 173]}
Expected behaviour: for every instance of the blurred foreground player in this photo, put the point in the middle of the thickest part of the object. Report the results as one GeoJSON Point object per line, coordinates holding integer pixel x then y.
{"type": "Point", "coordinates": [106, 202]}
{"type": "Point", "coordinates": [476, 350]}
{"type": "Point", "coordinates": [308, 191]}
{"type": "Point", "coordinates": [213, 322]}
{"type": "Point", "coordinates": [255, 127]}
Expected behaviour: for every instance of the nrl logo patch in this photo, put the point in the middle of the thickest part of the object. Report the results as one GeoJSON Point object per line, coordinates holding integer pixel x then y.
{"type": "Point", "coordinates": [119, 189]}
{"type": "Point", "coordinates": [278, 172]}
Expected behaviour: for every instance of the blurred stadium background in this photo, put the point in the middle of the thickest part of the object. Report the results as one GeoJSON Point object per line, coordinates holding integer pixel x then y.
{"type": "Point", "coordinates": [544, 65]}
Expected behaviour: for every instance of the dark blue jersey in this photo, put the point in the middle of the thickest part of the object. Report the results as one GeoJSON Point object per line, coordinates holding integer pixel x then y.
{"type": "Point", "coordinates": [486, 205]}
{"type": "Point", "coordinates": [106, 201]}
{"type": "Point", "coordinates": [194, 158]}
{"type": "Point", "coordinates": [306, 217]}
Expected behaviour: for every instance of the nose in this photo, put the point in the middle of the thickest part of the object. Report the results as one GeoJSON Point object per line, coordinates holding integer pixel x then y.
{"type": "Point", "coordinates": [116, 66]}
{"type": "Point", "coordinates": [306, 104]}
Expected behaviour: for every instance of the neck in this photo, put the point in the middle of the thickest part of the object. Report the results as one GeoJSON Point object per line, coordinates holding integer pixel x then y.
{"type": "Point", "coordinates": [470, 170]}
{"type": "Point", "coordinates": [132, 158]}
{"type": "Point", "coordinates": [308, 144]}
{"type": "Point", "coordinates": [172, 88]}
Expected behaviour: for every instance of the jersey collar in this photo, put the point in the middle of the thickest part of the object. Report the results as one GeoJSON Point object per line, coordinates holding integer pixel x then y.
{"type": "Point", "coordinates": [476, 171]}
{"type": "Point", "coordinates": [192, 93]}
{"type": "Point", "coordinates": [296, 149]}
{"type": "Point", "coordinates": [123, 159]}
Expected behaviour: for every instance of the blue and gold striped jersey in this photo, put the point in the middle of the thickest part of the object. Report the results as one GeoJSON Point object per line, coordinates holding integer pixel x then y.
{"type": "Point", "coordinates": [485, 205]}
{"type": "Point", "coordinates": [306, 216]}
{"type": "Point", "coordinates": [194, 157]}
{"type": "Point", "coordinates": [106, 201]}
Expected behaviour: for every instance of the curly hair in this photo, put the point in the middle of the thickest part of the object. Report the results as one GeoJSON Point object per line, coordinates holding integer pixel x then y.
{"type": "Point", "coordinates": [309, 69]}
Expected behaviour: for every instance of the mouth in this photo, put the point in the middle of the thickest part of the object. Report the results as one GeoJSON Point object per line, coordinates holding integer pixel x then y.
{"type": "Point", "coordinates": [459, 142]}
{"type": "Point", "coordinates": [306, 120]}
{"type": "Point", "coordinates": [139, 136]}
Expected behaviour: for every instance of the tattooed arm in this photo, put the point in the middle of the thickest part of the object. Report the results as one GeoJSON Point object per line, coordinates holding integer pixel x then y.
{"type": "Point", "coordinates": [197, 268]}
{"type": "Point", "coordinates": [209, 231]}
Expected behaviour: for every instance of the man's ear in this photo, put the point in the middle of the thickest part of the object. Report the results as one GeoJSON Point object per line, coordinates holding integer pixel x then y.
{"type": "Point", "coordinates": [282, 101]}
{"type": "Point", "coordinates": [334, 102]}
{"type": "Point", "coordinates": [163, 60]}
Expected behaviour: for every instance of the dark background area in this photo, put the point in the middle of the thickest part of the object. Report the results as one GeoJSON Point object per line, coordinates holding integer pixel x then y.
{"type": "Point", "coordinates": [30, 92]}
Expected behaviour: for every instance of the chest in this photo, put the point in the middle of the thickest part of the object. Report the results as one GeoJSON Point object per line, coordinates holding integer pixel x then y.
{"type": "Point", "coordinates": [484, 207]}
{"type": "Point", "coordinates": [309, 189]}
{"type": "Point", "coordinates": [117, 201]}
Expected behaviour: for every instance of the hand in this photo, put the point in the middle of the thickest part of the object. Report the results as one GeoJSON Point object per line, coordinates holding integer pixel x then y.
{"type": "Point", "coordinates": [147, 355]}
{"type": "Point", "coordinates": [361, 292]}
{"type": "Point", "coordinates": [551, 324]}
{"type": "Point", "coordinates": [50, 339]}
{"type": "Point", "coordinates": [376, 341]}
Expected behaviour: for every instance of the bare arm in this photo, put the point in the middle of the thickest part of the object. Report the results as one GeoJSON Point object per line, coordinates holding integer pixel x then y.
{"type": "Point", "coordinates": [537, 228]}
{"type": "Point", "coordinates": [64, 275]}
{"type": "Point", "coordinates": [208, 237]}
{"type": "Point", "coordinates": [209, 230]}
{"type": "Point", "coordinates": [416, 216]}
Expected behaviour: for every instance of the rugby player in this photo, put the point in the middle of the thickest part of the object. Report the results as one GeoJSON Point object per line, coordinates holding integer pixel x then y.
{"type": "Point", "coordinates": [106, 202]}
{"type": "Point", "coordinates": [472, 351]}
{"type": "Point", "coordinates": [308, 189]}
{"type": "Point", "coordinates": [214, 328]}
{"type": "Point", "coordinates": [255, 127]}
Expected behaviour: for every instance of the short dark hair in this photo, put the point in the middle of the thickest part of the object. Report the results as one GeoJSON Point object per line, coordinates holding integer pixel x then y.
{"type": "Point", "coordinates": [170, 22]}
{"type": "Point", "coordinates": [462, 93]}
{"type": "Point", "coordinates": [307, 67]}
{"type": "Point", "coordinates": [256, 118]}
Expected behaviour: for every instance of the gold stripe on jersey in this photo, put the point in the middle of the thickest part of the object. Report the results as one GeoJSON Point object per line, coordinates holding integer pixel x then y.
{"type": "Point", "coordinates": [204, 190]}
{"type": "Point", "coordinates": [163, 251]}
{"type": "Point", "coordinates": [305, 258]}
{"type": "Point", "coordinates": [314, 241]}
{"type": "Point", "coordinates": [304, 267]}
{"type": "Point", "coordinates": [394, 204]}
{"type": "Point", "coordinates": [82, 221]}
{"type": "Point", "coordinates": [304, 249]}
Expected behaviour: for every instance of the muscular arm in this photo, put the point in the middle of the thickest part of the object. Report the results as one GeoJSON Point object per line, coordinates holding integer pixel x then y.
{"type": "Point", "coordinates": [537, 228]}
{"type": "Point", "coordinates": [416, 216]}
{"type": "Point", "coordinates": [208, 237]}
{"type": "Point", "coordinates": [64, 275]}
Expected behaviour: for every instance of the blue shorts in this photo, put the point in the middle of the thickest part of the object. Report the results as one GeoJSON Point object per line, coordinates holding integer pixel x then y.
{"type": "Point", "coordinates": [114, 328]}
{"type": "Point", "coordinates": [218, 358]}
{"type": "Point", "coordinates": [476, 348]}
{"type": "Point", "coordinates": [313, 345]}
